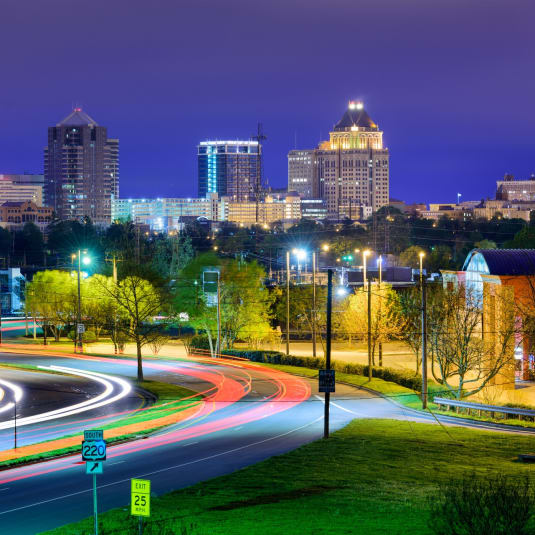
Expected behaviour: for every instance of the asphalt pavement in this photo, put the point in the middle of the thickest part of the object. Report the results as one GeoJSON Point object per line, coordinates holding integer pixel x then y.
{"type": "Point", "coordinates": [251, 413]}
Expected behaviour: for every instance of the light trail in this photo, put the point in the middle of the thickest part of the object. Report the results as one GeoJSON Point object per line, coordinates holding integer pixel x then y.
{"type": "Point", "coordinates": [17, 394]}
{"type": "Point", "coordinates": [100, 400]}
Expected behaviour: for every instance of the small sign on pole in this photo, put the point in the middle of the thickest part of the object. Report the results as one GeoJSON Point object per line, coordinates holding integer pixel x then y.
{"type": "Point", "coordinates": [140, 497]}
{"type": "Point", "coordinates": [81, 328]}
{"type": "Point", "coordinates": [94, 452]}
{"type": "Point", "coordinates": [93, 467]}
{"type": "Point", "coordinates": [326, 381]}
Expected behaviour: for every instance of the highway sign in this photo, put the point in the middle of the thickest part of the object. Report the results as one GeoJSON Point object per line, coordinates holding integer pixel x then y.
{"type": "Point", "coordinates": [93, 467]}
{"type": "Point", "coordinates": [140, 497]}
{"type": "Point", "coordinates": [81, 328]}
{"type": "Point", "coordinates": [94, 450]}
{"type": "Point", "coordinates": [94, 434]}
{"type": "Point", "coordinates": [326, 381]}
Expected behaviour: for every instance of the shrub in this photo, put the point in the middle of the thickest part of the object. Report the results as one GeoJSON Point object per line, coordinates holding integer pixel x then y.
{"type": "Point", "coordinates": [401, 377]}
{"type": "Point", "coordinates": [494, 505]}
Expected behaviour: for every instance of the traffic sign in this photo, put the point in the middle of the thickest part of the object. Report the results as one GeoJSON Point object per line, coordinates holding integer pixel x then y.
{"type": "Point", "coordinates": [93, 467]}
{"type": "Point", "coordinates": [94, 434]}
{"type": "Point", "coordinates": [81, 328]}
{"type": "Point", "coordinates": [140, 497]}
{"type": "Point", "coordinates": [326, 381]}
{"type": "Point", "coordinates": [94, 450]}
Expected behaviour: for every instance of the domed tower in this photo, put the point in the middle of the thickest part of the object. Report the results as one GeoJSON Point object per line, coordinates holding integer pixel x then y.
{"type": "Point", "coordinates": [353, 166]}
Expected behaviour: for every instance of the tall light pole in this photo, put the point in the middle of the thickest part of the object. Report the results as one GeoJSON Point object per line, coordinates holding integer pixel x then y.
{"type": "Point", "coordinates": [79, 327]}
{"type": "Point", "coordinates": [424, 334]}
{"type": "Point", "coordinates": [313, 303]}
{"type": "Point", "coordinates": [421, 255]}
{"type": "Point", "coordinates": [380, 265]}
{"type": "Point", "coordinates": [287, 302]}
{"type": "Point", "coordinates": [365, 255]}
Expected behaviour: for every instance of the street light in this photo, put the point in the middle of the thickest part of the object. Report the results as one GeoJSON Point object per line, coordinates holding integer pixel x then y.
{"type": "Point", "coordinates": [325, 247]}
{"type": "Point", "coordinates": [380, 265]}
{"type": "Point", "coordinates": [365, 255]}
{"type": "Point", "coordinates": [421, 255]}
{"type": "Point", "coordinates": [86, 261]}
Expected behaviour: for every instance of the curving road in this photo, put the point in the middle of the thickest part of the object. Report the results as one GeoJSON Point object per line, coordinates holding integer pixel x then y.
{"type": "Point", "coordinates": [250, 413]}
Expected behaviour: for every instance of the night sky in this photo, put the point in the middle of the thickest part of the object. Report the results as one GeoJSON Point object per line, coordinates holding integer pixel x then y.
{"type": "Point", "coordinates": [451, 83]}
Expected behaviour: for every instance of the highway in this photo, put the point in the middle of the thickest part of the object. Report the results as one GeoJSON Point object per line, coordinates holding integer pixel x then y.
{"type": "Point", "coordinates": [250, 413]}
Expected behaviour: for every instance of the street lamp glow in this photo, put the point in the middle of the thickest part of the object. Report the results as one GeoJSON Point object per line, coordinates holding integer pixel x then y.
{"type": "Point", "coordinates": [86, 260]}
{"type": "Point", "coordinates": [325, 247]}
{"type": "Point", "coordinates": [341, 291]}
{"type": "Point", "coordinates": [301, 254]}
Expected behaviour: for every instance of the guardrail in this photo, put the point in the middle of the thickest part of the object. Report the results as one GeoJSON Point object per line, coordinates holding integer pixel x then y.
{"type": "Point", "coordinates": [480, 408]}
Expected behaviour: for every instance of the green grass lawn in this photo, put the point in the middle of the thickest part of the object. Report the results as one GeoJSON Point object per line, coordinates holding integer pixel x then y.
{"type": "Point", "coordinates": [372, 477]}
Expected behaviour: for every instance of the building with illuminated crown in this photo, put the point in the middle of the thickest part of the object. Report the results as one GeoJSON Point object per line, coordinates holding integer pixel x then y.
{"type": "Point", "coordinates": [230, 168]}
{"type": "Point", "coordinates": [350, 171]}
{"type": "Point", "coordinates": [81, 169]}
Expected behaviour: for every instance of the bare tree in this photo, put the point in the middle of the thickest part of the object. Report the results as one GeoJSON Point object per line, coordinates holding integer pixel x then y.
{"type": "Point", "coordinates": [468, 352]}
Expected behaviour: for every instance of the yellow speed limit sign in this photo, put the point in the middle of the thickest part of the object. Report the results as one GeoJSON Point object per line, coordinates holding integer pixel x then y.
{"type": "Point", "coordinates": [140, 504]}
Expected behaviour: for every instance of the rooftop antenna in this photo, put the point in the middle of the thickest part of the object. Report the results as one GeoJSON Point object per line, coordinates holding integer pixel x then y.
{"type": "Point", "coordinates": [259, 137]}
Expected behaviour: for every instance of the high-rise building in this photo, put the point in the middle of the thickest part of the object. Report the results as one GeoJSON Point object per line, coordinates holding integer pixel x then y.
{"type": "Point", "coordinates": [81, 169]}
{"type": "Point", "coordinates": [350, 171]}
{"type": "Point", "coordinates": [303, 173]}
{"type": "Point", "coordinates": [230, 168]}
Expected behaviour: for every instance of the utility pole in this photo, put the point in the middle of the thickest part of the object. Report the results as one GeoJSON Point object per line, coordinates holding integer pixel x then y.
{"type": "Point", "coordinates": [369, 286]}
{"type": "Point", "coordinates": [287, 302]}
{"type": "Point", "coordinates": [218, 346]}
{"type": "Point", "coordinates": [328, 349]}
{"type": "Point", "coordinates": [424, 344]}
{"type": "Point", "coordinates": [78, 326]}
{"type": "Point", "coordinates": [314, 303]}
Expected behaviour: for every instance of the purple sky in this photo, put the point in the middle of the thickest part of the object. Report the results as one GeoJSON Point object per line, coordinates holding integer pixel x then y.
{"type": "Point", "coordinates": [451, 83]}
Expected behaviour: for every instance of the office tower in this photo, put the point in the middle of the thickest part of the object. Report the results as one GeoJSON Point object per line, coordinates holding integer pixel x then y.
{"type": "Point", "coordinates": [351, 170]}
{"type": "Point", "coordinates": [303, 173]}
{"type": "Point", "coordinates": [230, 168]}
{"type": "Point", "coordinates": [81, 169]}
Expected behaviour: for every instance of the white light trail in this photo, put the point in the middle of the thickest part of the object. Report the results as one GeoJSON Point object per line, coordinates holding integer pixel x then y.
{"type": "Point", "coordinates": [17, 394]}
{"type": "Point", "coordinates": [101, 400]}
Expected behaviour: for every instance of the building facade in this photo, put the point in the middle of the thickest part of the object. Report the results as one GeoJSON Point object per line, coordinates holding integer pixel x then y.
{"type": "Point", "coordinates": [81, 169]}
{"type": "Point", "coordinates": [15, 214]}
{"type": "Point", "coordinates": [303, 173]}
{"type": "Point", "coordinates": [350, 171]}
{"type": "Point", "coordinates": [12, 191]}
{"type": "Point", "coordinates": [510, 189]}
{"type": "Point", "coordinates": [230, 168]}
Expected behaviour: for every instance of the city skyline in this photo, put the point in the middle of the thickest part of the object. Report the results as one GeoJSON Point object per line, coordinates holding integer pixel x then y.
{"type": "Point", "coordinates": [439, 100]}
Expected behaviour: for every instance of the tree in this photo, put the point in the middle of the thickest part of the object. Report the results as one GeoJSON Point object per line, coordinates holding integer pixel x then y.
{"type": "Point", "coordinates": [98, 303]}
{"type": "Point", "coordinates": [485, 244]}
{"type": "Point", "coordinates": [386, 319]}
{"type": "Point", "coordinates": [411, 256]}
{"type": "Point", "coordinates": [410, 301]}
{"type": "Point", "coordinates": [51, 298]}
{"type": "Point", "coordinates": [171, 254]}
{"type": "Point", "coordinates": [301, 309]}
{"type": "Point", "coordinates": [140, 305]}
{"type": "Point", "coordinates": [245, 303]}
{"type": "Point", "coordinates": [466, 360]}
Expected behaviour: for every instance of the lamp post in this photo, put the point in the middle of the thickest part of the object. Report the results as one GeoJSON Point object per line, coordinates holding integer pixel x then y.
{"type": "Point", "coordinates": [313, 303]}
{"type": "Point", "coordinates": [79, 334]}
{"type": "Point", "coordinates": [287, 302]}
{"type": "Point", "coordinates": [424, 333]}
{"type": "Point", "coordinates": [421, 255]}
{"type": "Point", "coordinates": [365, 255]}
{"type": "Point", "coordinates": [380, 265]}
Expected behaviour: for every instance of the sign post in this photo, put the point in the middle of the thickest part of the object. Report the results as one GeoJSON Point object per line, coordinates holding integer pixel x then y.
{"type": "Point", "coordinates": [140, 500]}
{"type": "Point", "coordinates": [93, 453]}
